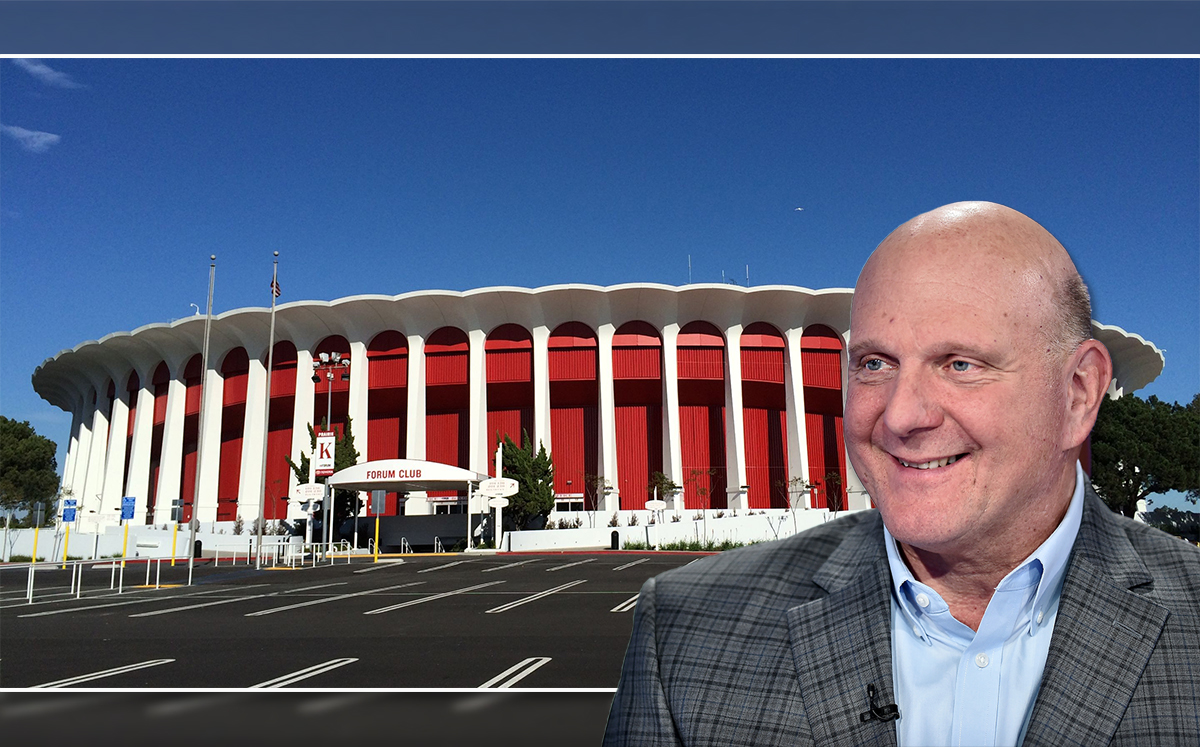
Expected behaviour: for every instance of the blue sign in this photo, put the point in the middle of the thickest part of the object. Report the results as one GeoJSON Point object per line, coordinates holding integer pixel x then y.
{"type": "Point", "coordinates": [68, 515]}
{"type": "Point", "coordinates": [127, 504]}
{"type": "Point", "coordinates": [68, 503]}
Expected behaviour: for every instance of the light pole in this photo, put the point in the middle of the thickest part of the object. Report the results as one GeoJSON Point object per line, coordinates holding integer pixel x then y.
{"type": "Point", "coordinates": [326, 363]}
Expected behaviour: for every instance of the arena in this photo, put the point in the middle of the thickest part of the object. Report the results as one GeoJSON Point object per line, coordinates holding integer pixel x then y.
{"type": "Point", "coordinates": [733, 393]}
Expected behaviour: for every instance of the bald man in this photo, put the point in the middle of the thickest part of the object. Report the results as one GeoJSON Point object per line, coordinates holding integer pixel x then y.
{"type": "Point", "coordinates": [992, 598]}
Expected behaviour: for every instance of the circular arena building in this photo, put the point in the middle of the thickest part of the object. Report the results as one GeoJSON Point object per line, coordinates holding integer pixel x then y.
{"type": "Point", "coordinates": [733, 393]}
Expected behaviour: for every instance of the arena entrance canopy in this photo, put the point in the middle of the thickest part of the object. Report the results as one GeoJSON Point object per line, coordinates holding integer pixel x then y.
{"type": "Point", "coordinates": [404, 476]}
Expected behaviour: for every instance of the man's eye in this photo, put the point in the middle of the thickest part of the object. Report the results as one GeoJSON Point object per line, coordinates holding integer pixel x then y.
{"type": "Point", "coordinates": [874, 364]}
{"type": "Point", "coordinates": [961, 366]}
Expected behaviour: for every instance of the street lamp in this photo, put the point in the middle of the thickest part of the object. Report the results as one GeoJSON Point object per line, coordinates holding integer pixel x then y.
{"type": "Point", "coordinates": [327, 363]}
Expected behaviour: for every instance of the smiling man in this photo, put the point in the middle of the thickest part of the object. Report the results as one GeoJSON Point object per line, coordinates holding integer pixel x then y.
{"type": "Point", "coordinates": [992, 599]}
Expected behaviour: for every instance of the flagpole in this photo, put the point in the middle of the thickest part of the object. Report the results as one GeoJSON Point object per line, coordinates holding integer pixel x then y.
{"type": "Point", "coordinates": [262, 496]}
{"type": "Point", "coordinates": [200, 413]}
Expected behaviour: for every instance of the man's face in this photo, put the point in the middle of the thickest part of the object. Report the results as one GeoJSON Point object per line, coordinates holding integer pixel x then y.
{"type": "Point", "coordinates": [955, 408]}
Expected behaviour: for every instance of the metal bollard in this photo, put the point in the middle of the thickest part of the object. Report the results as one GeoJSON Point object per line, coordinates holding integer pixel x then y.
{"type": "Point", "coordinates": [147, 571]}
{"type": "Point", "coordinates": [158, 573]}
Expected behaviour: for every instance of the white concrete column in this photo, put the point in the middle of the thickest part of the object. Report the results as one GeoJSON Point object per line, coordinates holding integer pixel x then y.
{"type": "Point", "coordinates": [114, 462]}
{"type": "Point", "coordinates": [856, 494]}
{"type": "Point", "coordinates": [608, 420]}
{"type": "Point", "coordinates": [359, 384]}
{"type": "Point", "coordinates": [73, 448]}
{"type": "Point", "coordinates": [797, 430]}
{"type": "Point", "coordinates": [208, 447]}
{"type": "Point", "coordinates": [170, 463]}
{"type": "Point", "coordinates": [138, 484]}
{"type": "Point", "coordinates": [254, 435]}
{"type": "Point", "coordinates": [302, 418]}
{"type": "Point", "coordinates": [94, 473]}
{"type": "Point", "coordinates": [673, 441]}
{"type": "Point", "coordinates": [735, 422]}
{"type": "Point", "coordinates": [477, 435]}
{"type": "Point", "coordinates": [415, 435]}
{"type": "Point", "coordinates": [541, 387]}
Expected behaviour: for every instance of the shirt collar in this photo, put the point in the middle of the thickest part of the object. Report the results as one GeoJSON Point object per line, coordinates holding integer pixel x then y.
{"type": "Point", "coordinates": [1052, 555]}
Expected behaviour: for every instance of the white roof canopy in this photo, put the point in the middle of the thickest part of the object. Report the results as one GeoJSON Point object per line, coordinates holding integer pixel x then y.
{"type": "Point", "coordinates": [403, 475]}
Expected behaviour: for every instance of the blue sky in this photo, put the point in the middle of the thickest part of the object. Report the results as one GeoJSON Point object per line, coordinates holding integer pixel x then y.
{"type": "Point", "coordinates": [118, 177]}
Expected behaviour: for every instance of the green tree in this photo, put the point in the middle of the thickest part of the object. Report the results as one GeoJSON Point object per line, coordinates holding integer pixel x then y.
{"type": "Point", "coordinates": [345, 502]}
{"type": "Point", "coordinates": [666, 487]}
{"type": "Point", "coordinates": [1142, 447]}
{"type": "Point", "coordinates": [28, 469]}
{"type": "Point", "coordinates": [1185, 524]}
{"type": "Point", "coordinates": [535, 475]}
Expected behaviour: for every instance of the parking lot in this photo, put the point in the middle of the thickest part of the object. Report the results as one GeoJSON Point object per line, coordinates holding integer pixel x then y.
{"type": "Point", "coordinates": [448, 621]}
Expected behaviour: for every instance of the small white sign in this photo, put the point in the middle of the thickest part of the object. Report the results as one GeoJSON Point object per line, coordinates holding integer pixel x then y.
{"type": "Point", "coordinates": [498, 487]}
{"type": "Point", "coordinates": [323, 458]}
{"type": "Point", "coordinates": [498, 502]}
{"type": "Point", "coordinates": [310, 491]}
{"type": "Point", "coordinates": [656, 505]}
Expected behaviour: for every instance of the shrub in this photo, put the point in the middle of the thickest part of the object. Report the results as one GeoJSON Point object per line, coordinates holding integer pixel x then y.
{"type": "Point", "coordinates": [633, 520]}
{"type": "Point", "coordinates": [615, 521]}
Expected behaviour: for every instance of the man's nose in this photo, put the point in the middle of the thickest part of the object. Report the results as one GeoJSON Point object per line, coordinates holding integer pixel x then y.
{"type": "Point", "coordinates": [911, 406]}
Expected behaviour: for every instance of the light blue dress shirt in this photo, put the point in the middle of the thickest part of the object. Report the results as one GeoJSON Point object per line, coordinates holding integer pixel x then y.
{"type": "Point", "coordinates": [960, 688]}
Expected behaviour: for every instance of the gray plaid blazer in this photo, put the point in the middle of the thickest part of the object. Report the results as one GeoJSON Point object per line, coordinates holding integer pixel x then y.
{"type": "Point", "coordinates": [775, 644]}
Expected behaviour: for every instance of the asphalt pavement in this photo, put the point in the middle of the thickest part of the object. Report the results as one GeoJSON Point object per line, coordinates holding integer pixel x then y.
{"type": "Point", "coordinates": [512, 621]}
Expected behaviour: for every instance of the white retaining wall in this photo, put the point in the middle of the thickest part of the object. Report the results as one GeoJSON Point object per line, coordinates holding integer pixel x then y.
{"type": "Point", "coordinates": [144, 542]}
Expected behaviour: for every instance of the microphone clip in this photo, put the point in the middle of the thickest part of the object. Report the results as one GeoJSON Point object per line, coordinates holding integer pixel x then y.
{"type": "Point", "coordinates": [884, 713]}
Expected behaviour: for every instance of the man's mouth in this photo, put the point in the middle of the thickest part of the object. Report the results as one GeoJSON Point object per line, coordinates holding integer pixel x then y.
{"type": "Point", "coordinates": [933, 463]}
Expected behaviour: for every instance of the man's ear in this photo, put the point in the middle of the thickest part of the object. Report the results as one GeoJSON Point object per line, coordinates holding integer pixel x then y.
{"type": "Point", "coordinates": [1090, 369]}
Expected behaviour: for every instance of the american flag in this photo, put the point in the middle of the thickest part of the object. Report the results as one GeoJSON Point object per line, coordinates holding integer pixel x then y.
{"type": "Point", "coordinates": [275, 288]}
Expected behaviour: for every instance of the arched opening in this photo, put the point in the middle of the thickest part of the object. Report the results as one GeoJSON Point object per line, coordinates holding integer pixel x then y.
{"type": "Point", "coordinates": [574, 423]}
{"type": "Point", "coordinates": [701, 356]}
{"type": "Point", "coordinates": [387, 402]}
{"type": "Point", "coordinates": [821, 359]}
{"type": "Point", "coordinates": [509, 356]}
{"type": "Point", "coordinates": [764, 416]}
{"type": "Point", "coordinates": [235, 371]}
{"type": "Point", "coordinates": [132, 384]}
{"type": "Point", "coordinates": [191, 435]}
{"type": "Point", "coordinates": [280, 414]}
{"type": "Point", "coordinates": [447, 404]}
{"type": "Point", "coordinates": [334, 385]}
{"type": "Point", "coordinates": [637, 396]}
{"type": "Point", "coordinates": [161, 382]}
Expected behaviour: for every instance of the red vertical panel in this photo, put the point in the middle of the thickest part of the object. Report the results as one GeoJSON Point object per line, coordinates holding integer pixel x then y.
{"type": "Point", "coordinates": [501, 423]}
{"type": "Point", "coordinates": [639, 451]}
{"type": "Point", "coordinates": [446, 441]}
{"type": "Point", "coordinates": [227, 480]}
{"type": "Point", "coordinates": [569, 364]}
{"type": "Point", "coordinates": [637, 363]}
{"type": "Point", "coordinates": [814, 423]}
{"type": "Point", "coordinates": [569, 434]}
{"type": "Point", "coordinates": [702, 431]}
{"type": "Point", "coordinates": [187, 477]}
{"type": "Point", "coordinates": [822, 368]}
{"type": "Point", "coordinates": [766, 456]}
{"type": "Point", "coordinates": [279, 443]}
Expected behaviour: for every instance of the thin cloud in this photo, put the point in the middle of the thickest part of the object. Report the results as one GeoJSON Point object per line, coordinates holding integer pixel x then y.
{"type": "Point", "coordinates": [31, 140]}
{"type": "Point", "coordinates": [46, 74]}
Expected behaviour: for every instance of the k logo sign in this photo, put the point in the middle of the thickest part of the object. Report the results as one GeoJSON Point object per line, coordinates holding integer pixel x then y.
{"type": "Point", "coordinates": [323, 460]}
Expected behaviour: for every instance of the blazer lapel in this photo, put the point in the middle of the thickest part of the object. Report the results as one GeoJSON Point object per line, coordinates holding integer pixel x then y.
{"type": "Point", "coordinates": [841, 643]}
{"type": "Point", "coordinates": [1103, 637]}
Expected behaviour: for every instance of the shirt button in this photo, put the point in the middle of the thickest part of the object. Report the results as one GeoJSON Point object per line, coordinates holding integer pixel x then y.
{"type": "Point", "coordinates": [981, 660]}
{"type": "Point", "coordinates": [922, 600]}
{"type": "Point", "coordinates": [1040, 615]}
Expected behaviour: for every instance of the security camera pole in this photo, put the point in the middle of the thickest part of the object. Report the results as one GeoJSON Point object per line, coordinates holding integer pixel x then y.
{"type": "Point", "coordinates": [212, 274]}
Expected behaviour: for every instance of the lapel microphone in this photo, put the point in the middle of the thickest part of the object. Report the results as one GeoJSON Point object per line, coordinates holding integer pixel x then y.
{"type": "Point", "coordinates": [884, 713]}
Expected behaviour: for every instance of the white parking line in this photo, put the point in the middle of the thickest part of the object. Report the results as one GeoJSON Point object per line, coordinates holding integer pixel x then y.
{"type": "Point", "coordinates": [516, 673]}
{"type": "Point", "coordinates": [105, 673]}
{"type": "Point", "coordinates": [422, 600]}
{"type": "Point", "coordinates": [511, 565]}
{"type": "Point", "coordinates": [381, 564]}
{"type": "Point", "coordinates": [568, 565]}
{"type": "Point", "coordinates": [328, 599]}
{"type": "Point", "coordinates": [310, 588]}
{"type": "Point", "coordinates": [630, 565]}
{"type": "Point", "coordinates": [447, 565]}
{"type": "Point", "coordinates": [304, 674]}
{"type": "Point", "coordinates": [131, 601]}
{"type": "Point", "coordinates": [535, 597]}
{"type": "Point", "coordinates": [185, 608]}
{"type": "Point", "coordinates": [627, 605]}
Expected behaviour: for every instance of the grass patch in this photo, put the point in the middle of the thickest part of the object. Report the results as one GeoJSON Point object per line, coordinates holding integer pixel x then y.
{"type": "Point", "coordinates": [692, 545]}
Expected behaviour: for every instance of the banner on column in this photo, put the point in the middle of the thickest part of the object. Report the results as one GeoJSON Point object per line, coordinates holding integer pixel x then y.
{"type": "Point", "coordinates": [323, 459]}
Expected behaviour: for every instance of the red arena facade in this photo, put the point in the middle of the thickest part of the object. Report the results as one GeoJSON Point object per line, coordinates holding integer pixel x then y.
{"type": "Point", "coordinates": [731, 392]}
